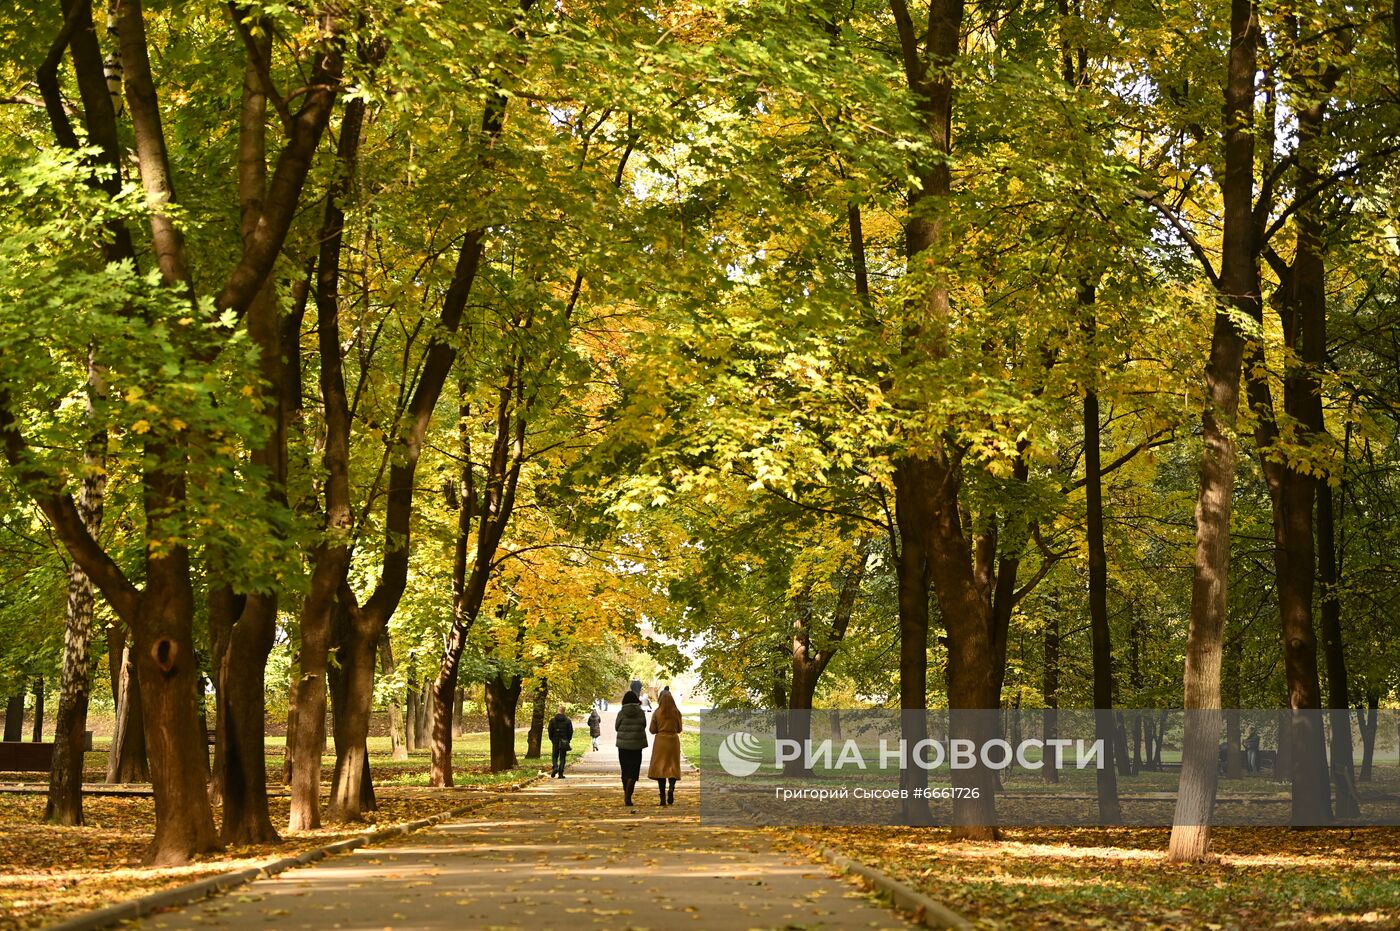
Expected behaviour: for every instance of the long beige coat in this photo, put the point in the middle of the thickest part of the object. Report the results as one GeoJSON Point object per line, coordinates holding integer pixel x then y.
{"type": "Point", "coordinates": [666, 749]}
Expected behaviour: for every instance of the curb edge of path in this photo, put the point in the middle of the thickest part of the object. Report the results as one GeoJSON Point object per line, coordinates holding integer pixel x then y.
{"type": "Point", "coordinates": [133, 909]}
{"type": "Point", "coordinates": [926, 911]}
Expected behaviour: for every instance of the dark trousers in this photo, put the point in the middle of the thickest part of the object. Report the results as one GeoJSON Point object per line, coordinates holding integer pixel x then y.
{"type": "Point", "coordinates": [631, 762]}
{"type": "Point", "coordinates": [561, 756]}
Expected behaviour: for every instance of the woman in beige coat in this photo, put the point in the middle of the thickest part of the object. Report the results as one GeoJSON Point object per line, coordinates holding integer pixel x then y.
{"type": "Point", "coordinates": [666, 749]}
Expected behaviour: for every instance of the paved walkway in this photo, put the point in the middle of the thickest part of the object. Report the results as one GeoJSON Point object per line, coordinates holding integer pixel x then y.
{"type": "Point", "coordinates": [565, 853]}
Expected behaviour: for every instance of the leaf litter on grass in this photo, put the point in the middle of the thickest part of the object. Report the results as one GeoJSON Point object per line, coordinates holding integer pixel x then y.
{"type": "Point", "coordinates": [54, 872]}
{"type": "Point", "coordinates": [1119, 877]}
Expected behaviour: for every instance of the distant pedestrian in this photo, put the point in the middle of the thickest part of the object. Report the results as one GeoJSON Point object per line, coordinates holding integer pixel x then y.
{"type": "Point", "coordinates": [631, 727]}
{"type": "Point", "coordinates": [666, 751]}
{"type": "Point", "coordinates": [1251, 750]}
{"type": "Point", "coordinates": [646, 703]}
{"type": "Point", "coordinates": [561, 733]}
{"type": "Point", "coordinates": [595, 726]}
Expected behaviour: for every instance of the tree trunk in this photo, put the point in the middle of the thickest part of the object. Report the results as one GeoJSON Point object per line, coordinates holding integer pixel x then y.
{"type": "Point", "coordinates": [240, 693]}
{"type": "Point", "coordinates": [65, 802]}
{"type": "Point", "coordinates": [535, 738]}
{"type": "Point", "coordinates": [306, 742]}
{"type": "Point", "coordinates": [37, 735]}
{"type": "Point", "coordinates": [240, 677]}
{"type": "Point", "coordinates": [1283, 762]}
{"type": "Point", "coordinates": [459, 714]}
{"type": "Point", "coordinates": [169, 677]}
{"type": "Point", "coordinates": [1238, 293]}
{"type": "Point", "coordinates": [798, 717]}
{"type": "Point", "coordinates": [1120, 745]}
{"type": "Point", "coordinates": [933, 549]}
{"type": "Point", "coordinates": [1112, 738]}
{"type": "Point", "coordinates": [1230, 675]}
{"type": "Point", "coordinates": [411, 714]}
{"type": "Point", "coordinates": [1101, 637]}
{"type": "Point", "coordinates": [1050, 691]}
{"type": "Point", "coordinates": [222, 605]}
{"type": "Point", "coordinates": [291, 727]}
{"type": "Point", "coordinates": [398, 750]}
{"type": "Point", "coordinates": [1343, 769]}
{"type": "Point", "coordinates": [436, 366]}
{"type": "Point", "coordinates": [490, 516]}
{"type": "Point", "coordinates": [352, 794]}
{"type": "Point", "coordinates": [502, 697]}
{"type": "Point", "coordinates": [808, 663]}
{"type": "Point", "coordinates": [465, 598]}
{"type": "Point", "coordinates": [911, 519]}
{"type": "Point", "coordinates": [423, 715]}
{"type": "Point", "coordinates": [1302, 305]}
{"type": "Point", "coordinates": [327, 599]}
{"type": "Point", "coordinates": [14, 718]}
{"type": "Point", "coordinates": [127, 761]}
{"type": "Point", "coordinates": [971, 675]}
{"type": "Point", "coordinates": [1367, 724]}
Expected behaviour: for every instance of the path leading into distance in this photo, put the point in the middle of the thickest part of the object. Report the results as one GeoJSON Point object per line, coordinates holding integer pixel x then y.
{"type": "Point", "coordinates": [564, 853]}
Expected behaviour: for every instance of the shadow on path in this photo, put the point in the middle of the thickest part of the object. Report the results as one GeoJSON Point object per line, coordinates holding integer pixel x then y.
{"type": "Point", "coordinates": [565, 853]}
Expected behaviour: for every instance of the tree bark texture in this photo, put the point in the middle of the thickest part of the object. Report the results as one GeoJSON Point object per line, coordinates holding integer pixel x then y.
{"type": "Point", "coordinates": [1100, 634]}
{"type": "Point", "coordinates": [331, 558]}
{"type": "Point", "coordinates": [934, 550]}
{"type": "Point", "coordinates": [412, 725]}
{"type": "Point", "coordinates": [398, 748]}
{"type": "Point", "coordinates": [502, 697]}
{"type": "Point", "coordinates": [1238, 291]}
{"type": "Point", "coordinates": [37, 733]}
{"type": "Point", "coordinates": [809, 659]}
{"type": "Point", "coordinates": [356, 635]}
{"type": "Point", "coordinates": [14, 718]}
{"type": "Point", "coordinates": [535, 738]}
{"type": "Point", "coordinates": [126, 761]}
{"type": "Point", "coordinates": [65, 801]}
{"type": "Point", "coordinates": [1050, 688]}
{"type": "Point", "coordinates": [491, 515]}
{"type": "Point", "coordinates": [1366, 722]}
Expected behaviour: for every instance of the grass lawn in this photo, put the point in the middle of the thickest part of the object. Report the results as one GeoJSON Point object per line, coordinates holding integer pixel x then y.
{"type": "Point", "coordinates": [1119, 878]}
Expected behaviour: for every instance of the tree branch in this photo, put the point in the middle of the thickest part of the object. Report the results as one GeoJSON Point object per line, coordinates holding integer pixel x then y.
{"type": "Point", "coordinates": [59, 507]}
{"type": "Point", "coordinates": [261, 67]}
{"type": "Point", "coordinates": [1185, 233]}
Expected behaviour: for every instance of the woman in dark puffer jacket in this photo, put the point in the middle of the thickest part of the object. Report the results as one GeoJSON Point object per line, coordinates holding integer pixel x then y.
{"type": "Point", "coordinates": [631, 726]}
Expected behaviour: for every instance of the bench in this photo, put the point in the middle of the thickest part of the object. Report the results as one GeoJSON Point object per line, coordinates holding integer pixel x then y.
{"type": "Point", "coordinates": [24, 757]}
{"type": "Point", "coordinates": [29, 757]}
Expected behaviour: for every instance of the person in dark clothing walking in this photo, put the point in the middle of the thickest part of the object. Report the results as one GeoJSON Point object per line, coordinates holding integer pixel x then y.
{"type": "Point", "coordinates": [561, 731]}
{"type": "Point", "coordinates": [631, 726]}
{"type": "Point", "coordinates": [595, 726]}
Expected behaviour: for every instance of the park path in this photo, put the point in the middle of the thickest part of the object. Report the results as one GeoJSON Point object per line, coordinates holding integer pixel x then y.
{"type": "Point", "coordinates": [564, 853]}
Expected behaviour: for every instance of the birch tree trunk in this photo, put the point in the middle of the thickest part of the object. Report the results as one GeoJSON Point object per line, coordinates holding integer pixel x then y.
{"type": "Point", "coordinates": [65, 802]}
